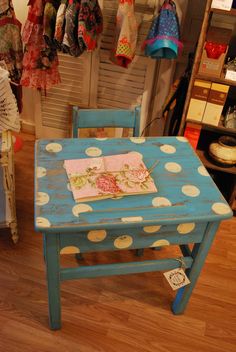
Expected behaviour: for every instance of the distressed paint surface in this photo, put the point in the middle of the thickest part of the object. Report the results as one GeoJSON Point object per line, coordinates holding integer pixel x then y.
{"type": "Point", "coordinates": [59, 210]}
{"type": "Point", "coordinates": [186, 209]}
{"type": "Point", "coordinates": [140, 238]}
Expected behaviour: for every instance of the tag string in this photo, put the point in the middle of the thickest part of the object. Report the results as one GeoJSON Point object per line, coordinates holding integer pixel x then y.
{"type": "Point", "coordinates": [181, 261]}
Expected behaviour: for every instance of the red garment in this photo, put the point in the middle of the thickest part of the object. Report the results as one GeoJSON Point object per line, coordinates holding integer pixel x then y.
{"type": "Point", "coordinates": [40, 63]}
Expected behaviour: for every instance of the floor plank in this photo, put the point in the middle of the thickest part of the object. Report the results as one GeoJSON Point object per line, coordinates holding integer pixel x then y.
{"type": "Point", "coordinates": [122, 313]}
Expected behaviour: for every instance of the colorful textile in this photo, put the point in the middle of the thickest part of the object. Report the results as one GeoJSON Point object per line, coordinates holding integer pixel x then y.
{"type": "Point", "coordinates": [163, 40]}
{"type": "Point", "coordinates": [70, 41]}
{"type": "Point", "coordinates": [60, 23]}
{"type": "Point", "coordinates": [40, 63]}
{"type": "Point", "coordinates": [84, 23]}
{"type": "Point", "coordinates": [108, 176]}
{"type": "Point", "coordinates": [90, 23]}
{"type": "Point", "coordinates": [11, 51]}
{"type": "Point", "coordinates": [49, 20]}
{"type": "Point", "coordinates": [126, 34]}
{"type": "Point", "coordinates": [5, 5]}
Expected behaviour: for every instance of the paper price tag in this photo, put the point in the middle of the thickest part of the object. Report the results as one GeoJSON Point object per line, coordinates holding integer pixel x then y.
{"type": "Point", "coordinates": [222, 4]}
{"type": "Point", "coordinates": [176, 278]}
{"type": "Point", "coordinates": [231, 75]}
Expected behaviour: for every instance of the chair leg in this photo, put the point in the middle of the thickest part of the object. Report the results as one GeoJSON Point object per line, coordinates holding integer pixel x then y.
{"type": "Point", "coordinates": [14, 233]}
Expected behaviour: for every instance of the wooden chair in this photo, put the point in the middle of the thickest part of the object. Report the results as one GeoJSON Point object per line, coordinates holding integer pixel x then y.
{"type": "Point", "coordinates": [101, 118]}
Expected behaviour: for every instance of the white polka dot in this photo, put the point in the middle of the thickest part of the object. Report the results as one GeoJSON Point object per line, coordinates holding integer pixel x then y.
{"type": "Point", "coordinates": [168, 149]}
{"type": "Point", "coordinates": [151, 229]}
{"type": "Point", "coordinates": [202, 171]}
{"type": "Point", "coordinates": [42, 198]}
{"type": "Point", "coordinates": [101, 139]}
{"type": "Point", "coordinates": [161, 202]}
{"type": "Point", "coordinates": [41, 172]}
{"type": "Point", "coordinates": [81, 208]}
{"type": "Point", "coordinates": [70, 250]}
{"type": "Point", "coordinates": [42, 222]}
{"type": "Point", "coordinates": [132, 219]}
{"type": "Point", "coordinates": [183, 229]}
{"type": "Point", "coordinates": [173, 167]}
{"type": "Point", "coordinates": [160, 243]}
{"type": "Point", "coordinates": [123, 242]}
{"type": "Point", "coordinates": [221, 208]}
{"type": "Point", "coordinates": [190, 191]}
{"type": "Point", "coordinates": [182, 139]}
{"type": "Point", "coordinates": [92, 151]}
{"type": "Point", "coordinates": [97, 236]}
{"type": "Point", "coordinates": [69, 187]}
{"type": "Point", "coordinates": [53, 147]}
{"type": "Point", "coordinates": [138, 140]}
{"type": "Point", "coordinates": [137, 153]}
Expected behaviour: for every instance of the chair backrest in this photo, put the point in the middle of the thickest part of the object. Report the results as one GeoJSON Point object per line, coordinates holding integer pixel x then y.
{"type": "Point", "coordinates": [99, 118]}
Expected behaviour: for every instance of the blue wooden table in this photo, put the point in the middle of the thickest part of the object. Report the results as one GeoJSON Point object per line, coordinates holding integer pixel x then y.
{"type": "Point", "coordinates": [187, 209]}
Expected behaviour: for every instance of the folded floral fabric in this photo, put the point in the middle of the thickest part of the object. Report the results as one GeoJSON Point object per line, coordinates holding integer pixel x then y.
{"type": "Point", "coordinates": [126, 34]}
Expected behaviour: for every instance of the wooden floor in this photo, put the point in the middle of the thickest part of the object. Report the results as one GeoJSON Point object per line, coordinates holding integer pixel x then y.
{"type": "Point", "coordinates": [115, 314]}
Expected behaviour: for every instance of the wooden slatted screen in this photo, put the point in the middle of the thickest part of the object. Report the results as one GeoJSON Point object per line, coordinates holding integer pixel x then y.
{"type": "Point", "coordinates": [93, 80]}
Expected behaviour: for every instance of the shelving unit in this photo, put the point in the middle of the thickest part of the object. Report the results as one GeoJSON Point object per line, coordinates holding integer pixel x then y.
{"type": "Point", "coordinates": [209, 133]}
{"type": "Point", "coordinates": [217, 80]}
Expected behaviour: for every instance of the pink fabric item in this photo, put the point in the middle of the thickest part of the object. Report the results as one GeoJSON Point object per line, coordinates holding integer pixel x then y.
{"type": "Point", "coordinates": [105, 177]}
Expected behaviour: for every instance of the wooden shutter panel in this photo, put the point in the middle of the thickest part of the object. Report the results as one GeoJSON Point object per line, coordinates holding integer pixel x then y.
{"type": "Point", "coordinates": [117, 87]}
{"type": "Point", "coordinates": [54, 115]}
{"type": "Point", "coordinates": [93, 80]}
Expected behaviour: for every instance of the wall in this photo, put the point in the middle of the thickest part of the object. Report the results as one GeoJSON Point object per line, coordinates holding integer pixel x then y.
{"type": "Point", "coordinates": [27, 115]}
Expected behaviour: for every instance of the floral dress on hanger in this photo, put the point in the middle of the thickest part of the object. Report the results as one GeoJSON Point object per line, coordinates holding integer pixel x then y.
{"type": "Point", "coordinates": [40, 63]}
{"type": "Point", "coordinates": [11, 50]}
{"type": "Point", "coordinates": [126, 34]}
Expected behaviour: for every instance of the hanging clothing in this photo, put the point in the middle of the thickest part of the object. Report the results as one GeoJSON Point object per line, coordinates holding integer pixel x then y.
{"type": "Point", "coordinates": [40, 63]}
{"type": "Point", "coordinates": [84, 23]}
{"type": "Point", "coordinates": [9, 115]}
{"type": "Point", "coordinates": [5, 6]}
{"type": "Point", "coordinates": [60, 23]}
{"type": "Point", "coordinates": [49, 20]}
{"type": "Point", "coordinates": [163, 40]}
{"type": "Point", "coordinates": [90, 23]}
{"type": "Point", "coordinates": [70, 41]}
{"type": "Point", "coordinates": [11, 50]}
{"type": "Point", "coordinates": [126, 34]}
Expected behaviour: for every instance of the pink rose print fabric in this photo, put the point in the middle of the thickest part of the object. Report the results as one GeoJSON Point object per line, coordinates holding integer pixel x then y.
{"type": "Point", "coordinates": [109, 176]}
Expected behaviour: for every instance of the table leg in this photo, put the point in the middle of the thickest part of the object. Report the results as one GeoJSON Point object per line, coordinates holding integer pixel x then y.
{"type": "Point", "coordinates": [199, 255]}
{"type": "Point", "coordinates": [52, 256]}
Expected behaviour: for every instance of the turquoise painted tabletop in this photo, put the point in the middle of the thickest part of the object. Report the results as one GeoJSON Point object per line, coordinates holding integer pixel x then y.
{"type": "Point", "coordinates": [184, 188]}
